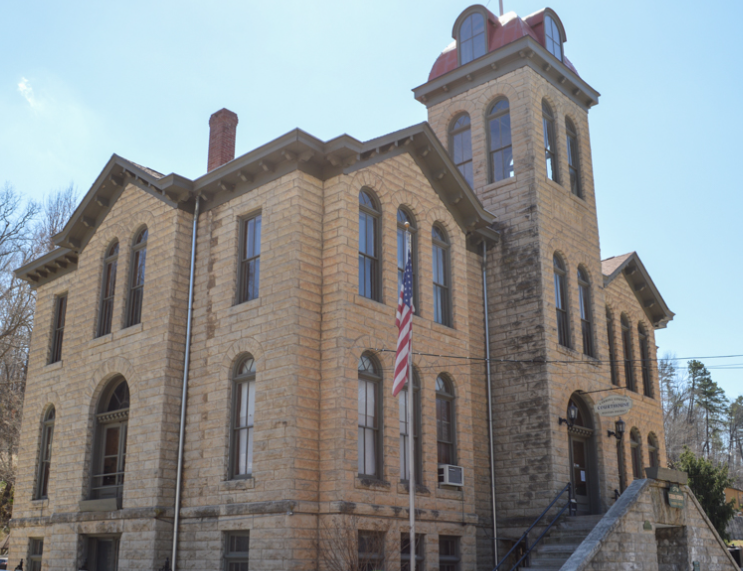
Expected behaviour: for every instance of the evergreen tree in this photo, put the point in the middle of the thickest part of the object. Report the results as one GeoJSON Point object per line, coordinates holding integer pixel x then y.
{"type": "Point", "coordinates": [711, 399]}
{"type": "Point", "coordinates": [708, 484]}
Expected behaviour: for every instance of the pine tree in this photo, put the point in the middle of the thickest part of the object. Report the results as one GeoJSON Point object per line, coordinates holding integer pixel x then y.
{"type": "Point", "coordinates": [711, 399]}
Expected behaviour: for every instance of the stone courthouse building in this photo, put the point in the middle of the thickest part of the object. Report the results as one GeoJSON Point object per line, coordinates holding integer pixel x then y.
{"type": "Point", "coordinates": [292, 442]}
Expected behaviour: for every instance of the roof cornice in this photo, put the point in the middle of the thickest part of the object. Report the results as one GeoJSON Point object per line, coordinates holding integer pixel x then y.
{"type": "Point", "coordinates": [644, 289]}
{"type": "Point", "coordinates": [296, 150]}
{"type": "Point", "coordinates": [524, 52]}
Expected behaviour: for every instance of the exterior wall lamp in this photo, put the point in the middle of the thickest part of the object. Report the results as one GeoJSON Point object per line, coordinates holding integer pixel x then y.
{"type": "Point", "coordinates": [618, 431]}
{"type": "Point", "coordinates": [572, 415]}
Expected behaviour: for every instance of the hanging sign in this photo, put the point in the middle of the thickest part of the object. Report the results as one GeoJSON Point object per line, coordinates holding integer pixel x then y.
{"type": "Point", "coordinates": [675, 497]}
{"type": "Point", "coordinates": [614, 405]}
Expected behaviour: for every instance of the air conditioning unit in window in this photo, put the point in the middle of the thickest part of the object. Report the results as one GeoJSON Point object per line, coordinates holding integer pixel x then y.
{"type": "Point", "coordinates": [451, 475]}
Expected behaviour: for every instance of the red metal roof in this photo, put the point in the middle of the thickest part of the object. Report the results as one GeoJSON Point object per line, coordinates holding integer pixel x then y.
{"type": "Point", "coordinates": [501, 31]}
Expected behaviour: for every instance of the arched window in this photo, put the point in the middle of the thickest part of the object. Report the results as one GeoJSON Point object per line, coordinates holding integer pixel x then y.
{"type": "Point", "coordinates": [369, 278]}
{"type": "Point", "coordinates": [573, 164]}
{"type": "Point", "coordinates": [647, 381]}
{"type": "Point", "coordinates": [584, 295]}
{"type": "Point", "coordinates": [243, 410]}
{"type": "Point", "coordinates": [501, 153]}
{"type": "Point", "coordinates": [612, 348]}
{"type": "Point", "coordinates": [472, 38]}
{"type": "Point", "coordinates": [552, 37]}
{"type": "Point", "coordinates": [136, 287]}
{"type": "Point", "coordinates": [405, 432]}
{"type": "Point", "coordinates": [402, 217]}
{"type": "Point", "coordinates": [370, 417]}
{"type": "Point", "coordinates": [45, 457]}
{"type": "Point", "coordinates": [550, 149]}
{"type": "Point", "coordinates": [460, 142]}
{"type": "Point", "coordinates": [441, 277]}
{"type": "Point", "coordinates": [110, 449]}
{"type": "Point", "coordinates": [445, 427]}
{"type": "Point", "coordinates": [629, 376]}
{"type": "Point", "coordinates": [635, 443]}
{"type": "Point", "coordinates": [561, 305]}
{"type": "Point", "coordinates": [653, 460]}
{"type": "Point", "coordinates": [108, 289]}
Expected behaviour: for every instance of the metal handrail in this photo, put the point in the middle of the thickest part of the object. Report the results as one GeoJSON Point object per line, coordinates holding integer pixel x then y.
{"type": "Point", "coordinates": [570, 505]}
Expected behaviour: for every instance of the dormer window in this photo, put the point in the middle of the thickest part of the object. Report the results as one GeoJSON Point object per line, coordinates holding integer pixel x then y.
{"type": "Point", "coordinates": [552, 38]}
{"type": "Point", "coordinates": [472, 39]}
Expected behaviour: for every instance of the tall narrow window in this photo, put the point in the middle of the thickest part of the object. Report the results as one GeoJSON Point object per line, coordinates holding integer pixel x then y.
{"type": "Point", "coordinates": [552, 37]}
{"type": "Point", "coordinates": [501, 153]}
{"type": "Point", "coordinates": [243, 396]}
{"type": "Point", "coordinates": [103, 553]}
{"type": "Point", "coordinates": [573, 164]}
{"type": "Point", "coordinates": [550, 150]}
{"type": "Point", "coordinates": [250, 258]}
{"type": "Point", "coordinates": [405, 432]}
{"type": "Point", "coordinates": [35, 553]}
{"type": "Point", "coordinates": [237, 551]}
{"type": "Point", "coordinates": [109, 288]}
{"type": "Point", "coordinates": [472, 38]}
{"type": "Point", "coordinates": [635, 443]}
{"type": "Point", "coordinates": [45, 457]}
{"type": "Point", "coordinates": [449, 553]}
{"type": "Point", "coordinates": [629, 376]}
{"type": "Point", "coordinates": [584, 295]}
{"type": "Point", "coordinates": [402, 217]}
{"type": "Point", "coordinates": [370, 418]}
{"type": "Point", "coordinates": [445, 432]}
{"type": "Point", "coordinates": [136, 288]}
{"type": "Point", "coordinates": [371, 550]}
{"type": "Point", "coordinates": [405, 551]}
{"type": "Point", "coordinates": [460, 138]}
{"type": "Point", "coordinates": [647, 381]}
{"type": "Point", "coordinates": [612, 348]}
{"type": "Point", "coordinates": [561, 306]}
{"type": "Point", "coordinates": [653, 461]}
{"type": "Point", "coordinates": [369, 278]}
{"type": "Point", "coordinates": [441, 276]}
{"type": "Point", "coordinates": [111, 431]}
{"type": "Point", "coordinates": [60, 310]}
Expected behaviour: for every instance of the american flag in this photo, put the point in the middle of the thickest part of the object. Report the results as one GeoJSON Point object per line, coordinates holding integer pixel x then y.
{"type": "Point", "coordinates": [404, 322]}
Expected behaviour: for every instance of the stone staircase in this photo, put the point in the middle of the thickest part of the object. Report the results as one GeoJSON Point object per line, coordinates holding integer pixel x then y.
{"type": "Point", "coordinates": [561, 541]}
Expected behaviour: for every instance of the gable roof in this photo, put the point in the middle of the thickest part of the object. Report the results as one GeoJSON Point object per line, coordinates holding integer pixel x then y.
{"type": "Point", "coordinates": [296, 150]}
{"type": "Point", "coordinates": [642, 285]}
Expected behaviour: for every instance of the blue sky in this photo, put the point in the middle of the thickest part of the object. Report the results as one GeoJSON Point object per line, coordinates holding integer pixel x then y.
{"type": "Point", "coordinates": [82, 80]}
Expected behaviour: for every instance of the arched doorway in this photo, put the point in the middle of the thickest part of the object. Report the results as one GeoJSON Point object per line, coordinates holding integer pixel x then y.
{"type": "Point", "coordinates": [582, 457]}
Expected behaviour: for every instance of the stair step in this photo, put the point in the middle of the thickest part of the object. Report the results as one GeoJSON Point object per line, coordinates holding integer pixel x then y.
{"type": "Point", "coordinates": [557, 548]}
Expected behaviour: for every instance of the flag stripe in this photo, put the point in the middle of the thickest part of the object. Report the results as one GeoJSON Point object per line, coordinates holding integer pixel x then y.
{"type": "Point", "coordinates": [404, 322]}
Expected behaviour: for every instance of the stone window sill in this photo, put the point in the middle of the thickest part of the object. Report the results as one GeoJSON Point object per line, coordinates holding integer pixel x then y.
{"type": "Point", "coordinates": [53, 366]}
{"type": "Point", "coordinates": [420, 489]}
{"type": "Point", "coordinates": [567, 351]}
{"type": "Point", "coordinates": [361, 483]}
{"type": "Point", "coordinates": [445, 329]}
{"type": "Point", "coordinates": [245, 306]}
{"type": "Point", "coordinates": [372, 304]}
{"type": "Point", "coordinates": [501, 183]}
{"type": "Point", "coordinates": [237, 485]}
{"type": "Point", "coordinates": [40, 504]}
{"type": "Point", "coordinates": [131, 330]}
{"type": "Point", "coordinates": [98, 341]}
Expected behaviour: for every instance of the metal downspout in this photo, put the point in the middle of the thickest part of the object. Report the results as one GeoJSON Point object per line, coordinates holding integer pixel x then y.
{"type": "Point", "coordinates": [182, 434]}
{"type": "Point", "coordinates": [490, 395]}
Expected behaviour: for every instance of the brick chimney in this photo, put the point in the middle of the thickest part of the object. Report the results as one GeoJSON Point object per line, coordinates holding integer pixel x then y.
{"type": "Point", "coordinates": [222, 129]}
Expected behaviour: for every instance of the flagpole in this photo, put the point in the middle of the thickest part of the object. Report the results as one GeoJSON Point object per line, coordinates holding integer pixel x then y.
{"type": "Point", "coordinates": [411, 424]}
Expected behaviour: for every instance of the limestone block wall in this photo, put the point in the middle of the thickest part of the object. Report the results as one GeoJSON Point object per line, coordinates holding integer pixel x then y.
{"type": "Point", "coordinates": [149, 355]}
{"type": "Point", "coordinates": [642, 531]}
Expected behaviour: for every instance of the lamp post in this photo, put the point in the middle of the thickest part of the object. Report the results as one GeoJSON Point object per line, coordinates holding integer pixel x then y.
{"type": "Point", "coordinates": [618, 431]}
{"type": "Point", "coordinates": [20, 566]}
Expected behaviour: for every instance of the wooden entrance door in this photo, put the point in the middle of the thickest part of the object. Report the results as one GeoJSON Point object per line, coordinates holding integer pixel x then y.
{"type": "Point", "coordinates": [581, 475]}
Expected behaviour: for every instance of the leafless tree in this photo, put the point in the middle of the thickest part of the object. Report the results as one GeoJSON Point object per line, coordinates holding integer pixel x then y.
{"type": "Point", "coordinates": [344, 548]}
{"type": "Point", "coordinates": [25, 233]}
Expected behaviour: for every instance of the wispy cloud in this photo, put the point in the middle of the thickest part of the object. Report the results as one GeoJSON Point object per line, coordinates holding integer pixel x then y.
{"type": "Point", "coordinates": [25, 89]}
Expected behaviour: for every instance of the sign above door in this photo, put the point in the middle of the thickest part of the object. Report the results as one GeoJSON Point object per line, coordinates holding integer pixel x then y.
{"type": "Point", "coordinates": [614, 405]}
